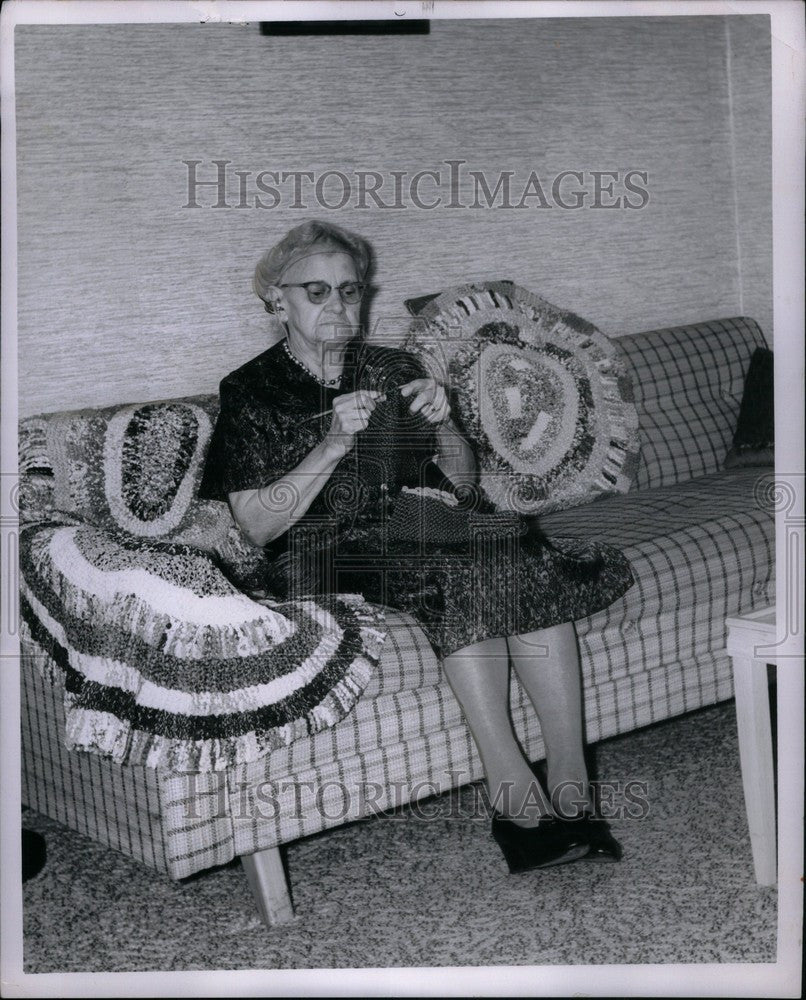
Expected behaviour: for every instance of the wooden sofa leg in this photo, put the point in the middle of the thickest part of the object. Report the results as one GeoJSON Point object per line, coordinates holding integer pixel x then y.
{"type": "Point", "coordinates": [266, 877]}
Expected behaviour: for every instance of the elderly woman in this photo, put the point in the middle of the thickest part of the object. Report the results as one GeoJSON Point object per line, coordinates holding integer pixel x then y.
{"type": "Point", "coordinates": [293, 447]}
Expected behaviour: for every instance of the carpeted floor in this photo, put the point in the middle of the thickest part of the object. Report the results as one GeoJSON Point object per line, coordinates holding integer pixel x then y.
{"type": "Point", "coordinates": [404, 891]}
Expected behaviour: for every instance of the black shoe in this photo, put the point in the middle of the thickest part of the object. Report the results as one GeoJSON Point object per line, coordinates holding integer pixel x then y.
{"type": "Point", "coordinates": [550, 842]}
{"type": "Point", "coordinates": [33, 854]}
{"type": "Point", "coordinates": [595, 831]}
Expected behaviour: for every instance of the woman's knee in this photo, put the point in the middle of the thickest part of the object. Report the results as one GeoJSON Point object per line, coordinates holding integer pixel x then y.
{"type": "Point", "coordinates": [478, 651]}
{"type": "Point", "coordinates": [543, 642]}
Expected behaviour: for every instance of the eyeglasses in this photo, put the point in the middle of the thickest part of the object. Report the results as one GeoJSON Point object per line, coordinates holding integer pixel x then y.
{"type": "Point", "coordinates": [319, 291]}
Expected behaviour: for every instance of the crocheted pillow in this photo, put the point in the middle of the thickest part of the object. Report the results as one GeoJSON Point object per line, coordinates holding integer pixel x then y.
{"type": "Point", "coordinates": [165, 663]}
{"type": "Point", "coordinates": [135, 469]}
{"type": "Point", "coordinates": [544, 396]}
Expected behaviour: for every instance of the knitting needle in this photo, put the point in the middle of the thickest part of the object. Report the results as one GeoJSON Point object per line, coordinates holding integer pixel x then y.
{"type": "Point", "coordinates": [315, 416]}
{"type": "Point", "coordinates": [326, 413]}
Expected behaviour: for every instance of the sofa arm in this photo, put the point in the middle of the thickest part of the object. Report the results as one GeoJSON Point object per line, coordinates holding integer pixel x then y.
{"type": "Point", "coordinates": [165, 663]}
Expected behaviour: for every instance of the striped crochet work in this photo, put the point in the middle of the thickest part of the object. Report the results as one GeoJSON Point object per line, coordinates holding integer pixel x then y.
{"type": "Point", "coordinates": [136, 468]}
{"type": "Point", "coordinates": [36, 482]}
{"type": "Point", "coordinates": [543, 394]}
{"type": "Point", "coordinates": [165, 663]}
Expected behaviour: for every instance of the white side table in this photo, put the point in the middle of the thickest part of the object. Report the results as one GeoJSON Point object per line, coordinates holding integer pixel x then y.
{"type": "Point", "coordinates": [747, 636]}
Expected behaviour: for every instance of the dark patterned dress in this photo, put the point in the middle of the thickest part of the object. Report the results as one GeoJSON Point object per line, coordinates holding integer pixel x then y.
{"type": "Point", "coordinates": [459, 593]}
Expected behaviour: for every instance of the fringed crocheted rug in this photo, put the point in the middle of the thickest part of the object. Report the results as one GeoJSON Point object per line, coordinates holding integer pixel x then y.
{"type": "Point", "coordinates": [165, 663]}
{"type": "Point", "coordinates": [544, 395]}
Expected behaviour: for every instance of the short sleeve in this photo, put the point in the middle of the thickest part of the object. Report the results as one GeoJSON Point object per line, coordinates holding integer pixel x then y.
{"type": "Point", "coordinates": [246, 447]}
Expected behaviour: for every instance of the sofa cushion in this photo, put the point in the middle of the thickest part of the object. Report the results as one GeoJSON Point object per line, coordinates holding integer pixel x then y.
{"type": "Point", "coordinates": [700, 551]}
{"type": "Point", "coordinates": [542, 394]}
{"type": "Point", "coordinates": [688, 388]}
{"type": "Point", "coordinates": [165, 663]}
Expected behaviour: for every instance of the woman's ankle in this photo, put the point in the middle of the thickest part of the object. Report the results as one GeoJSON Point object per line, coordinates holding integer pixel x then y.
{"type": "Point", "coordinates": [571, 797]}
{"type": "Point", "coordinates": [524, 804]}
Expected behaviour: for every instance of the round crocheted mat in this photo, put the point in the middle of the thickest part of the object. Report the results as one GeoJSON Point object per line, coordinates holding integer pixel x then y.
{"type": "Point", "coordinates": [541, 392]}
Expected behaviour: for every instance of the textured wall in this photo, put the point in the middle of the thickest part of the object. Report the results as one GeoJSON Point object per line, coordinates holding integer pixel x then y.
{"type": "Point", "coordinates": [748, 61]}
{"type": "Point", "coordinates": [126, 294]}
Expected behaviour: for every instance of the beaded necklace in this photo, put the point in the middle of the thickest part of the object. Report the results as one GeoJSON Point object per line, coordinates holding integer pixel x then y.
{"type": "Point", "coordinates": [329, 383]}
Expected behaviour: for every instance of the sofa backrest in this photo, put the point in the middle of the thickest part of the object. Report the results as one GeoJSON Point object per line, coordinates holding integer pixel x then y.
{"type": "Point", "coordinates": [688, 388]}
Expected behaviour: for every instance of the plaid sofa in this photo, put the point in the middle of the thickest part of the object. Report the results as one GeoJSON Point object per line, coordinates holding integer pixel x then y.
{"type": "Point", "coordinates": [700, 541]}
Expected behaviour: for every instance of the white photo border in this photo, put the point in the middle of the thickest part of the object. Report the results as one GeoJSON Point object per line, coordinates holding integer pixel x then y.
{"type": "Point", "coordinates": [770, 979]}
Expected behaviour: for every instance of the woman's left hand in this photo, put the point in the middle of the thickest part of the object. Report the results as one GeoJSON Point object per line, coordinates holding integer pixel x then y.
{"type": "Point", "coordinates": [430, 399]}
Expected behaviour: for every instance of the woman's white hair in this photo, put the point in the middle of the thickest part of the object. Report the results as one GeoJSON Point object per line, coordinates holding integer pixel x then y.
{"type": "Point", "coordinates": [301, 242]}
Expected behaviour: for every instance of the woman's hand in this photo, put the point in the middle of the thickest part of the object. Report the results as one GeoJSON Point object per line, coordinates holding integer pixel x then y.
{"type": "Point", "coordinates": [430, 399]}
{"type": "Point", "coordinates": [454, 455]}
{"type": "Point", "coordinates": [351, 413]}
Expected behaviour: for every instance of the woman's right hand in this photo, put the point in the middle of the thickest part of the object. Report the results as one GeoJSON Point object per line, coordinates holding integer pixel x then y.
{"type": "Point", "coordinates": [351, 413]}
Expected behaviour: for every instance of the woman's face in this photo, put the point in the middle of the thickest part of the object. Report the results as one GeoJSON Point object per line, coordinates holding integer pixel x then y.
{"type": "Point", "coordinates": [331, 320]}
